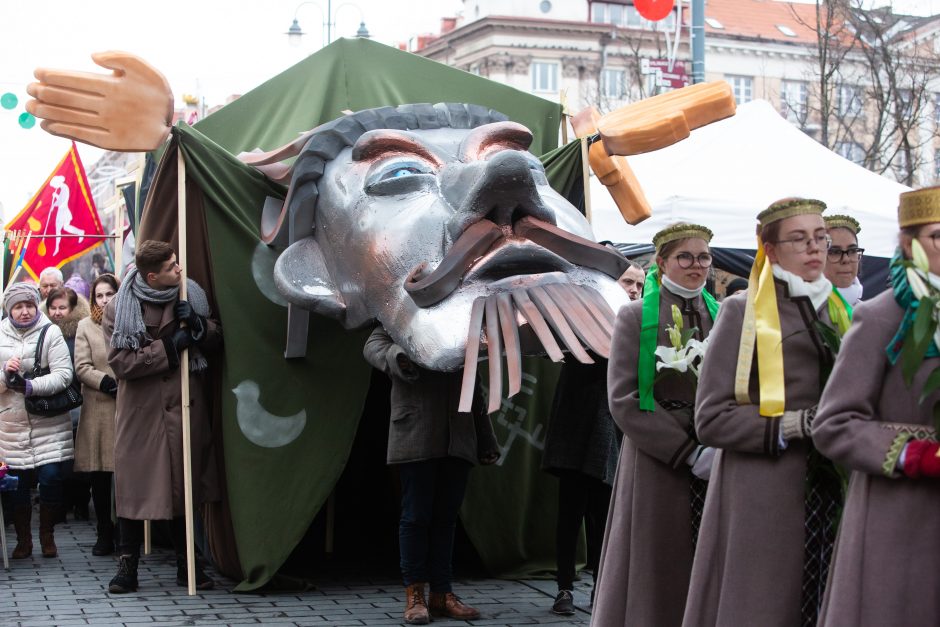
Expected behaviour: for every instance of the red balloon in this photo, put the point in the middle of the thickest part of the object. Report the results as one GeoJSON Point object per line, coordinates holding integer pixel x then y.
{"type": "Point", "coordinates": [654, 10]}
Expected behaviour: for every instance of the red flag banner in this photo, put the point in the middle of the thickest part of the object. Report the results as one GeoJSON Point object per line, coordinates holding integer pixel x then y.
{"type": "Point", "coordinates": [61, 218]}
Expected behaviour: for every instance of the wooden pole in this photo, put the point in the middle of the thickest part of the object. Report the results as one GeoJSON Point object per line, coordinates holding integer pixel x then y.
{"type": "Point", "coordinates": [119, 246]}
{"type": "Point", "coordinates": [586, 175]}
{"type": "Point", "coordinates": [184, 379]}
{"type": "Point", "coordinates": [563, 99]}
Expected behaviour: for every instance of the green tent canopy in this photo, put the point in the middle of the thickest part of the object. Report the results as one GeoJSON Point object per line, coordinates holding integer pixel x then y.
{"type": "Point", "coordinates": [274, 490]}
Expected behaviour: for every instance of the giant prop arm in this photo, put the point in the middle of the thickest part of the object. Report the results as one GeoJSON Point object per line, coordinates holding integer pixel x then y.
{"type": "Point", "coordinates": [646, 126]}
{"type": "Point", "coordinates": [129, 110]}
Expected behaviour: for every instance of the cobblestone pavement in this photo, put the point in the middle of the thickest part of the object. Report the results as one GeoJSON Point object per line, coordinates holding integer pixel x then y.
{"type": "Point", "coordinates": [70, 590]}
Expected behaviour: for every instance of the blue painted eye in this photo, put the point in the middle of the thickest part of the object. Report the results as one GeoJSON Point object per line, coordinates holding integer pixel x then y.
{"type": "Point", "coordinates": [400, 172]}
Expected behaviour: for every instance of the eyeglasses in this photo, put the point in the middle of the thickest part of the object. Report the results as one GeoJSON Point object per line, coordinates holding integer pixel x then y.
{"type": "Point", "coordinates": [836, 255]}
{"type": "Point", "coordinates": [686, 260]}
{"type": "Point", "coordinates": [934, 239]}
{"type": "Point", "coordinates": [801, 244]}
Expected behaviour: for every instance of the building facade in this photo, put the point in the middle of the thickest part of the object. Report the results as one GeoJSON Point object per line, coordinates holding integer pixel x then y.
{"type": "Point", "coordinates": [864, 83]}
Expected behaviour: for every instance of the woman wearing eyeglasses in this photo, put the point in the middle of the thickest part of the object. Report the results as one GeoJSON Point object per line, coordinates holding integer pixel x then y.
{"type": "Point", "coordinates": [662, 473]}
{"type": "Point", "coordinates": [876, 425]}
{"type": "Point", "coordinates": [844, 257]}
{"type": "Point", "coordinates": [768, 526]}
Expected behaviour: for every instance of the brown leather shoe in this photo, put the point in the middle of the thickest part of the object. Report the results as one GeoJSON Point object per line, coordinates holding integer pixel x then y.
{"type": "Point", "coordinates": [416, 609]}
{"type": "Point", "coordinates": [449, 605]}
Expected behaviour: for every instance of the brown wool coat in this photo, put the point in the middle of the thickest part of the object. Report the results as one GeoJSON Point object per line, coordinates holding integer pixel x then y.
{"type": "Point", "coordinates": [148, 439]}
{"type": "Point", "coordinates": [94, 441]}
{"type": "Point", "coordinates": [647, 554]}
{"type": "Point", "coordinates": [884, 569]}
{"type": "Point", "coordinates": [748, 567]}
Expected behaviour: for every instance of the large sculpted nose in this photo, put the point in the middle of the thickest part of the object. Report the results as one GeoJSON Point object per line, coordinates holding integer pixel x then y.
{"type": "Point", "coordinates": [501, 190]}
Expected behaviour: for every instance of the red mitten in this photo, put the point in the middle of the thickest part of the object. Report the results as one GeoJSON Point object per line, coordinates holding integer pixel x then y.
{"type": "Point", "coordinates": [920, 459]}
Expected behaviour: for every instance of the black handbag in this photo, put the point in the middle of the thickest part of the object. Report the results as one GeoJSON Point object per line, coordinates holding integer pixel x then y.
{"type": "Point", "coordinates": [54, 404]}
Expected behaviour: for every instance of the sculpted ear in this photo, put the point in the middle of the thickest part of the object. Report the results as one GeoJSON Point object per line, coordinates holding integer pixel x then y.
{"type": "Point", "coordinates": [302, 276]}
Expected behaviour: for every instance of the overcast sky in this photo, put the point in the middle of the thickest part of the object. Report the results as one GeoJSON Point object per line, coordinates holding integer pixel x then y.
{"type": "Point", "coordinates": [211, 48]}
{"type": "Point", "coordinates": [208, 48]}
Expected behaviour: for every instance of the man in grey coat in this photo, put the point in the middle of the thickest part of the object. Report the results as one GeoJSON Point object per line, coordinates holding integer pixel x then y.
{"type": "Point", "coordinates": [434, 446]}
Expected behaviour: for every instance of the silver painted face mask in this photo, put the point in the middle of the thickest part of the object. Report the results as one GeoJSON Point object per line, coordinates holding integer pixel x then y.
{"type": "Point", "coordinates": [447, 234]}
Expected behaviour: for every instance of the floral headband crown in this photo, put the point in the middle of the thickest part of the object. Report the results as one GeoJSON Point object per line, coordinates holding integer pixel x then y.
{"type": "Point", "coordinates": [679, 231]}
{"type": "Point", "coordinates": [842, 221]}
{"type": "Point", "coordinates": [920, 206]}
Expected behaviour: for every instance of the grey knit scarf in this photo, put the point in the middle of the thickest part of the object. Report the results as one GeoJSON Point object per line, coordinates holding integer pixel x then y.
{"type": "Point", "coordinates": [129, 327]}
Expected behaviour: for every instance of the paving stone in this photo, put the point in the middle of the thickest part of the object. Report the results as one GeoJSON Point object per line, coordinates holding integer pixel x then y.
{"type": "Point", "coordinates": [71, 590]}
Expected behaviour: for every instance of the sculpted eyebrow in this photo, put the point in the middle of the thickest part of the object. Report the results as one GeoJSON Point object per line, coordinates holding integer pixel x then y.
{"type": "Point", "coordinates": [371, 147]}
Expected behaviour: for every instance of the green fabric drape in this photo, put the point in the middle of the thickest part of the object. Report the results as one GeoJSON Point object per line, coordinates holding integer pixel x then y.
{"type": "Point", "coordinates": [328, 386]}
{"type": "Point", "coordinates": [275, 492]}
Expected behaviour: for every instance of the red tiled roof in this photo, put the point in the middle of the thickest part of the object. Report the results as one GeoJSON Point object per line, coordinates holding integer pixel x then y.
{"type": "Point", "coordinates": [759, 19]}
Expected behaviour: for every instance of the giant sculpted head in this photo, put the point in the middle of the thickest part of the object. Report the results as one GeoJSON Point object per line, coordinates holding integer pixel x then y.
{"type": "Point", "coordinates": [423, 217]}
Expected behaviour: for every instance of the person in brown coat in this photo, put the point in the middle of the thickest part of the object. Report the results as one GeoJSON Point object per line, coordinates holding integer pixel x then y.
{"type": "Point", "coordinates": [148, 328]}
{"type": "Point", "coordinates": [433, 446]}
{"type": "Point", "coordinates": [94, 441]}
{"type": "Point", "coordinates": [661, 478]}
{"type": "Point", "coordinates": [872, 423]}
{"type": "Point", "coordinates": [767, 529]}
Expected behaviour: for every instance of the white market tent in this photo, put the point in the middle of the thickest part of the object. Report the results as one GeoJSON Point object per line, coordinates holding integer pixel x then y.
{"type": "Point", "coordinates": [725, 173]}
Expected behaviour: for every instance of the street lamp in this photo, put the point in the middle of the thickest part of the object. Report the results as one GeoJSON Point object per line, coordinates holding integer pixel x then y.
{"type": "Point", "coordinates": [295, 33]}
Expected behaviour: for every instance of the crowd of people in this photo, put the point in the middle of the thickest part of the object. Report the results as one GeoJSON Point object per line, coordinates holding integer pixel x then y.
{"type": "Point", "coordinates": [766, 459]}
{"type": "Point", "coordinates": [126, 358]}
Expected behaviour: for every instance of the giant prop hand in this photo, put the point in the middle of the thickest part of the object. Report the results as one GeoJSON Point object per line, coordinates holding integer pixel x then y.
{"type": "Point", "coordinates": [645, 126]}
{"type": "Point", "coordinates": [129, 110]}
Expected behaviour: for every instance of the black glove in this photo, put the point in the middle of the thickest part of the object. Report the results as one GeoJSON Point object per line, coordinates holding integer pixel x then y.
{"type": "Point", "coordinates": [181, 340]}
{"type": "Point", "coordinates": [183, 311]}
{"type": "Point", "coordinates": [197, 324]}
{"type": "Point", "coordinates": [16, 382]}
{"type": "Point", "coordinates": [109, 386]}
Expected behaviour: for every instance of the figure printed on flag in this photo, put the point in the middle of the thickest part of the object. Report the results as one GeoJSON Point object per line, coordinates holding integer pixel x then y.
{"type": "Point", "coordinates": [63, 215]}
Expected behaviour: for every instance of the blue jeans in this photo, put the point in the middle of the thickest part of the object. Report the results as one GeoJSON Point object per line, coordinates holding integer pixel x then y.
{"type": "Point", "coordinates": [431, 494]}
{"type": "Point", "coordinates": [51, 479]}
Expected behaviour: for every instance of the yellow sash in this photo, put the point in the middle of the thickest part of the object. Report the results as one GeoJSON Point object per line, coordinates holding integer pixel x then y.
{"type": "Point", "coordinates": [761, 326]}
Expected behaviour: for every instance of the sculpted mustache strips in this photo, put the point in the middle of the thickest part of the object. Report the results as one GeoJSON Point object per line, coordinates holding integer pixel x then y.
{"type": "Point", "coordinates": [576, 314]}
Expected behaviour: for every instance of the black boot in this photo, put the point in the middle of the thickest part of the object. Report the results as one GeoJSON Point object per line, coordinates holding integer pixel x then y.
{"type": "Point", "coordinates": [105, 543]}
{"type": "Point", "coordinates": [22, 516]}
{"type": "Point", "coordinates": [126, 578]}
{"type": "Point", "coordinates": [203, 581]}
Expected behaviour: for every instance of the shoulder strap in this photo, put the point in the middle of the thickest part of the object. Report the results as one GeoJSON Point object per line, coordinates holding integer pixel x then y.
{"type": "Point", "coordinates": [37, 362]}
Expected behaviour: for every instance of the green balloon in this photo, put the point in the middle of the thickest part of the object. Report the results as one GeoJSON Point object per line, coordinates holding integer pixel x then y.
{"type": "Point", "coordinates": [27, 120]}
{"type": "Point", "coordinates": [8, 100]}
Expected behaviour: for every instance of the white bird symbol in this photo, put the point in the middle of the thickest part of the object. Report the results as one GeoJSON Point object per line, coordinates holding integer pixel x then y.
{"type": "Point", "coordinates": [260, 426]}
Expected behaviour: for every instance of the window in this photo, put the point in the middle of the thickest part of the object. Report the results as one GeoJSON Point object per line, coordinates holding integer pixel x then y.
{"type": "Point", "coordinates": [626, 15]}
{"type": "Point", "coordinates": [714, 23]}
{"type": "Point", "coordinates": [849, 101]}
{"type": "Point", "coordinates": [794, 98]}
{"type": "Point", "coordinates": [742, 87]}
{"type": "Point", "coordinates": [544, 76]}
{"type": "Point", "coordinates": [851, 151]}
{"type": "Point", "coordinates": [612, 84]}
{"type": "Point", "coordinates": [936, 108]}
{"type": "Point", "coordinates": [786, 30]}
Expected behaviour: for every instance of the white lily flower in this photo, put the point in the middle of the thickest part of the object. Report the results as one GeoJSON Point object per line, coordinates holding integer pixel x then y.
{"type": "Point", "coordinates": [673, 359]}
{"type": "Point", "coordinates": [919, 256]}
{"type": "Point", "coordinates": [917, 283]}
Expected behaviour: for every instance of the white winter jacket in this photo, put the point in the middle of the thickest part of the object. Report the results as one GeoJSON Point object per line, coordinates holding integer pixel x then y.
{"type": "Point", "coordinates": [27, 440]}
